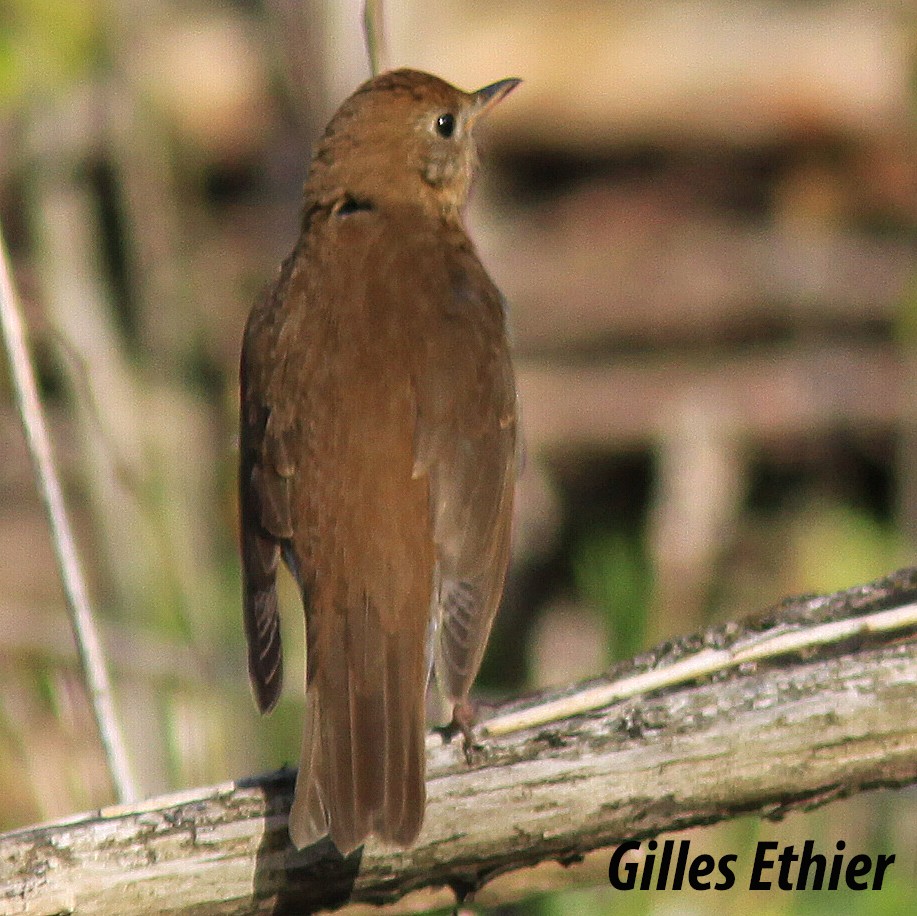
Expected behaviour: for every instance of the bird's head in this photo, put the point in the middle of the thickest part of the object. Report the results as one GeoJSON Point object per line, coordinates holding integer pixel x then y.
{"type": "Point", "coordinates": [406, 137]}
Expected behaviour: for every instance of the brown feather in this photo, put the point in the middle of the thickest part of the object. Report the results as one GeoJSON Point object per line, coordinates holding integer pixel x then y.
{"type": "Point", "coordinates": [378, 430]}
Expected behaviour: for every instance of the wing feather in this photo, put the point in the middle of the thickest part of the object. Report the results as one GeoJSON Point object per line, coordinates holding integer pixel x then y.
{"type": "Point", "coordinates": [466, 442]}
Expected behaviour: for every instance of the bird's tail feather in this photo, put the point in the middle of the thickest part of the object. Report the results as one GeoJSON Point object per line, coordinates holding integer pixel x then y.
{"type": "Point", "coordinates": [362, 762]}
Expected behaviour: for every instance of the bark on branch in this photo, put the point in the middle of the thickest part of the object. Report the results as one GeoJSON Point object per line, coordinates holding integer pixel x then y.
{"type": "Point", "coordinates": [815, 720]}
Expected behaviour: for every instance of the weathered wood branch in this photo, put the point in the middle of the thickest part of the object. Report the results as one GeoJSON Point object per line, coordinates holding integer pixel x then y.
{"type": "Point", "coordinates": [802, 727]}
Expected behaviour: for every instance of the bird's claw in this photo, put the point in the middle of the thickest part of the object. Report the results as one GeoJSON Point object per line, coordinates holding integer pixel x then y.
{"type": "Point", "coordinates": [463, 720]}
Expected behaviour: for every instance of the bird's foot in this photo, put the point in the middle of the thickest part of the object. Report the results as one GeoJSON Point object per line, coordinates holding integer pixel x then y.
{"type": "Point", "coordinates": [464, 716]}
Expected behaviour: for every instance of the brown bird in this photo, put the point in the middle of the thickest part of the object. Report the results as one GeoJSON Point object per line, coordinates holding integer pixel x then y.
{"type": "Point", "coordinates": [378, 439]}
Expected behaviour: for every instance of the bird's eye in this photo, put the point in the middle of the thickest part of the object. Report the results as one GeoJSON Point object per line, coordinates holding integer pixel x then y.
{"type": "Point", "coordinates": [445, 125]}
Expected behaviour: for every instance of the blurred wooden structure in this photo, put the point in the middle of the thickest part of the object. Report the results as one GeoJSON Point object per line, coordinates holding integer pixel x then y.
{"type": "Point", "coordinates": [713, 249]}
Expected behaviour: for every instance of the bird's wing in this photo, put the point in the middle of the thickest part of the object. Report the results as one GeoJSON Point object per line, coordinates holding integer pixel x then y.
{"type": "Point", "coordinates": [265, 470]}
{"type": "Point", "coordinates": [466, 442]}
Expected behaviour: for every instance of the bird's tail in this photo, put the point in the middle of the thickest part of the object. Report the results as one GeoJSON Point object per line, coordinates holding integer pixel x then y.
{"type": "Point", "coordinates": [309, 820]}
{"type": "Point", "coordinates": [361, 768]}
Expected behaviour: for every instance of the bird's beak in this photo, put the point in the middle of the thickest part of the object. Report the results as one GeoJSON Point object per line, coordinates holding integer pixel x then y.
{"type": "Point", "coordinates": [485, 99]}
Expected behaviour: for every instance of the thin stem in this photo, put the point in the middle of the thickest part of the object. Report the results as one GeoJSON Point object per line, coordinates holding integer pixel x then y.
{"type": "Point", "coordinates": [748, 651]}
{"type": "Point", "coordinates": [374, 31]}
{"type": "Point", "coordinates": [88, 644]}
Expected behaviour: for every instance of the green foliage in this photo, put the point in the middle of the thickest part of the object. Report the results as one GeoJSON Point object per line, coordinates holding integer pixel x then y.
{"type": "Point", "coordinates": [611, 570]}
{"type": "Point", "coordinates": [835, 546]}
{"type": "Point", "coordinates": [589, 902]}
{"type": "Point", "coordinates": [906, 320]}
{"type": "Point", "coordinates": [46, 44]}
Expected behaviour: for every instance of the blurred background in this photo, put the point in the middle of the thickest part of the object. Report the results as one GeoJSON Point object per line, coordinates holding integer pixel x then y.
{"type": "Point", "coordinates": [704, 216]}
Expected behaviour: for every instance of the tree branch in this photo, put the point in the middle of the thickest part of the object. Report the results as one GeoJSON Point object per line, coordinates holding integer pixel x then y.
{"type": "Point", "coordinates": [794, 730]}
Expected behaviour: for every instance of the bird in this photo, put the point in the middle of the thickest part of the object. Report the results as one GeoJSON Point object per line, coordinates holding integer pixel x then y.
{"type": "Point", "coordinates": [378, 453]}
